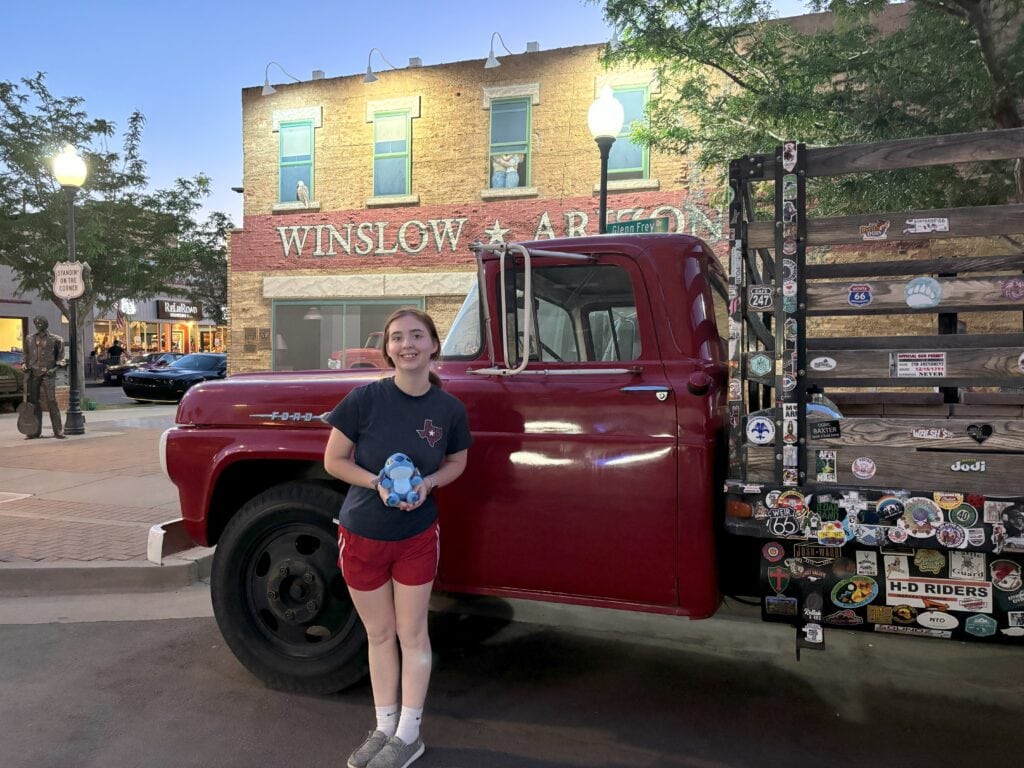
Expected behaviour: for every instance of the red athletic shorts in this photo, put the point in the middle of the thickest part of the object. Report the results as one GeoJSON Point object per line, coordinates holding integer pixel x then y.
{"type": "Point", "coordinates": [368, 564]}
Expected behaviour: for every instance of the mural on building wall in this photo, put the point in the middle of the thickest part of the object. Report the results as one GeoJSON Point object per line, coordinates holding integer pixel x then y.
{"type": "Point", "coordinates": [434, 233]}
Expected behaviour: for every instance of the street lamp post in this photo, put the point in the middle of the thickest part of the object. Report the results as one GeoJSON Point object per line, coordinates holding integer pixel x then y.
{"type": "Point", "coordinates": [604, 118]}
{"type": "Point", "coordinates": [70, 171]}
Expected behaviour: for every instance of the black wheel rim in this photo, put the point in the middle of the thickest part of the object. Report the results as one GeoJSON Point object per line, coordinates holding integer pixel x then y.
{"type": "Point", "coordinates": [296, 597]}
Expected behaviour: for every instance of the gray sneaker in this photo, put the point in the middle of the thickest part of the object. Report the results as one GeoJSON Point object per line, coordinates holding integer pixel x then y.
{"type": "Point", "coordinates": [364, 752]}
{"type": "Point", "coordinates": [397, 754]}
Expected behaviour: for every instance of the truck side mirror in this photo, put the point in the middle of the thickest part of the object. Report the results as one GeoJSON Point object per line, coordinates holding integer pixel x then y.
{"type": "Point", "coordinates": [699, 383]}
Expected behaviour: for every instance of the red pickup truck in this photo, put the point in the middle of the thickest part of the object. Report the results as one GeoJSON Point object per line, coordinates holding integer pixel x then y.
{"type": "Point", "coordinates": [650, 433]}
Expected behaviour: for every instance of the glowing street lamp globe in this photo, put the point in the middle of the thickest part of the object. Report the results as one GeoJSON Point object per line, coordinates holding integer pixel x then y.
{"type": "Point", "coordinates": [68, 168]}
{"type": "Point", "coordinates": [605, 116]}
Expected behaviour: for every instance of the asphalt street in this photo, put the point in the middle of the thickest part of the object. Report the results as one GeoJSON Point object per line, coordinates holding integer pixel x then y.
{"type": "Point", "coordinates": [515, 685]}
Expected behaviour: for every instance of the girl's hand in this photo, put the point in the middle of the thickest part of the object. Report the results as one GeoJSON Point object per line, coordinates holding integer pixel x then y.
{"type": "Point", "coordinates": [421, 490]}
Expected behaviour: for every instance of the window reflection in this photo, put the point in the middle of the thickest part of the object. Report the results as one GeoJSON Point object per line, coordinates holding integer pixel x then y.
{"type": "Point", "coordinates": [335, 335]}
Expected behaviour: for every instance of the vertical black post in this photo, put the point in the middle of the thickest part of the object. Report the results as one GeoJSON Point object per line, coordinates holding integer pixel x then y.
{"type": "Point", "coordinates": [75, 423]}
{"type": "Point", "coordinates": [604, 143]}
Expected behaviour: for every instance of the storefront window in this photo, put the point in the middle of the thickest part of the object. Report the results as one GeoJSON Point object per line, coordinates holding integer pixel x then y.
{"type": "Point", "coordinates": [337, 334]}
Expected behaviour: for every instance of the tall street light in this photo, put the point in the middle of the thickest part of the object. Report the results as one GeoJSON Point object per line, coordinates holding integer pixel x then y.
{"type": "Point", "coordinates": [604, 118]}
{"type": "Point", "coordinates": [70, 171]}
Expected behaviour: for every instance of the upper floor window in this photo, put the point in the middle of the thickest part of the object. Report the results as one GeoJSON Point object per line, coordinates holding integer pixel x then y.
{"type": "Point", "coordinates": [627, 159]}
{"type": "Point", "coordinates": [391, 155]}
{"type": "Point", "coordinates": [510, 143]}
{"type": "Point", "coordinates": [296, 162]}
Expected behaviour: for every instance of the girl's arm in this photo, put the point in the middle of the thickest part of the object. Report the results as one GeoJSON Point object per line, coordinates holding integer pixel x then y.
{"type": "Point", "coordinates": [338, 462]}
{"type": "Point", "coordinates": [449, 471]}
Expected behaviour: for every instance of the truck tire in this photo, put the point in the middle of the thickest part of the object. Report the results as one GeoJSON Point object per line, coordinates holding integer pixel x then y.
{"type": "Point", "coordinates": [278, 596]}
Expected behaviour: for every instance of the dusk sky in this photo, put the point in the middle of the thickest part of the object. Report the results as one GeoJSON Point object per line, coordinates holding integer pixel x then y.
{"type": "Point", "coordinates": [183, 63]}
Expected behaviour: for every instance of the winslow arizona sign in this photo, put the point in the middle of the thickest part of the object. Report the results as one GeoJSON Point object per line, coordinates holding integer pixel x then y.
{"type": "Point", "coordinates": [433, 234]}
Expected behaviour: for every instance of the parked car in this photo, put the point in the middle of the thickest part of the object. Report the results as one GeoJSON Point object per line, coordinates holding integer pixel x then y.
{"type": "Point", "coordinates": [12, 358]}
{"type": "Point", "coordinates": [168, 384]}
{"type": "Point", "coordinates": [370, 355]}
{"type": "Point", "coordinates": [114, 374]}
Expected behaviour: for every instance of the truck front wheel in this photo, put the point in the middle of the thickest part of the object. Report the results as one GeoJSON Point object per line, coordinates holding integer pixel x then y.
{"type": "Point", "coordinates": [279, 598]}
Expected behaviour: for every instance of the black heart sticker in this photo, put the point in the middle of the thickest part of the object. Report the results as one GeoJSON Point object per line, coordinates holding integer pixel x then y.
{"type": "Point", "coordinates": [980, 432]}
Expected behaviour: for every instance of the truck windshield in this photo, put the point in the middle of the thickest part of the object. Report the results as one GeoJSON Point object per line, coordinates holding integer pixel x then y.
{"type": "Point", "coordinates": [463, 339]}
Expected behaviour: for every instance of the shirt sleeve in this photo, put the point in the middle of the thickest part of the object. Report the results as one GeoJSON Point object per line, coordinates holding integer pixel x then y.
{"type": "Point", "coordinates": [461, 438]}
{"type": "Point", "coordinates": [346, 415]}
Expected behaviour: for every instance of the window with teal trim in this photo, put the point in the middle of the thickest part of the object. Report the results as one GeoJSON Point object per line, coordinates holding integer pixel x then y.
{"type": "Point", "coordinates": [296, 162]}
{"type": "Point", "coordinates": [629, 160]}
{"type": "Point", "coordinates": [510, 143]}
{"type": "Point", "coordinates": [391, 155]}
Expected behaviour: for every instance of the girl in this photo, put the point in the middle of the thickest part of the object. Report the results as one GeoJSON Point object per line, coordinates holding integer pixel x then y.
{"type": "Point", "coordinates": [388, 555]}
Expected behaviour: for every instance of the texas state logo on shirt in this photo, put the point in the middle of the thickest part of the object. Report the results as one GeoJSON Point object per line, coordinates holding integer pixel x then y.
{"type": "Point", "coordinates": [432, 434]}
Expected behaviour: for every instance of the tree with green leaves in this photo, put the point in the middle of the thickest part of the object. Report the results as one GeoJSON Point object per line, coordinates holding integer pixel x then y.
{"type": "Point", "coordinates": [138, 242]}
{"type": "Point", "coordinates": [737, 80]}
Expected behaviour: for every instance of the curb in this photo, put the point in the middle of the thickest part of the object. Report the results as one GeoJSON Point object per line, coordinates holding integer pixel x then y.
{"type": "Point", "coordinates": [70, 578]}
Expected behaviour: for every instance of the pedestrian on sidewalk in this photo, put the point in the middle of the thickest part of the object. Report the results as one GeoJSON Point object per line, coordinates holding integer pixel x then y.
{"type": "Point", "coordinates": [388, 555]}
{"type": "Point", "coordinates": [42, 355]}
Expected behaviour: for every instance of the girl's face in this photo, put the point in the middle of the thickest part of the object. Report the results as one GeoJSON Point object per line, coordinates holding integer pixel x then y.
{"type": "Point", "coordinates": [409, 344]}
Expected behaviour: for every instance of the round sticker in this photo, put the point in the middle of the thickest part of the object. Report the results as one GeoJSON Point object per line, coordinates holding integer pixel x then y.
{"type": "Point", "coordinates": [864, 468]}
{"type": "Point", "coordinates": [1006, 575]}
{"type": "Point", "coordinates": [823, 364]}
{"type": "Point", "coordinates": [948, 500]}
{"type": "Point", "coordinates": [923, 293]}
{"type": "Point", "coordinates": [889, 507]}
{"type": "Point", "coordinates": [904, 614]}
{"type": "Point", "coordinates": [965, 514]}
{"type": "Point", "coordinates": [951, 536]}
{"type": "Point", "coordinates": [760, 430]}
{"type": "Point", "coordinates": [854, 591]}
{"type": "Point", "coordinates": [921, 517]}
{"type": "Point", "coordinates": [773, 552]}
{"type": "Point", "coordinates": [897, 534]}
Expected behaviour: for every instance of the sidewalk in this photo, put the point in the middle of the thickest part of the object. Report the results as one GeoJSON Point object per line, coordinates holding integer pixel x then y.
{"type": "Point", "coordinates": [75, 514]}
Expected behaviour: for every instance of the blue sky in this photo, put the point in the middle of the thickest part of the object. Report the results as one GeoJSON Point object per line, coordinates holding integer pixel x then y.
{"type": "Point", "coordinates": [183, 63]}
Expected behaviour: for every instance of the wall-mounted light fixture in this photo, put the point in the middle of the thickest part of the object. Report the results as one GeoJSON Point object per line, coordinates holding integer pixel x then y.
{"type": "Point", "coordinates": [492, 61]}
{"type": "Point", "coordinates": [267, 87]}
{"type": "Point", "coordinates": [369, 77]}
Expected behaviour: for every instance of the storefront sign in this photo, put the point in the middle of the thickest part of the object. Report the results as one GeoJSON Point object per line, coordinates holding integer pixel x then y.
{"type": "Point", "coordinates": [433, 234]}
{"type": "Point", "coordinates": [177, 310]}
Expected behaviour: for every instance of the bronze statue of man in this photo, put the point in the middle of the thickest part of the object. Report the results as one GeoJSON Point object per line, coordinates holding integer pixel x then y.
{"type": "Point", "coordinates": [43, 352]}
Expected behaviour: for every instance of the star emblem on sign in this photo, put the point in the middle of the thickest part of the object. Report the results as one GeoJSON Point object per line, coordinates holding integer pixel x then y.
{"type": "Point", "coordinates": [430, 433]}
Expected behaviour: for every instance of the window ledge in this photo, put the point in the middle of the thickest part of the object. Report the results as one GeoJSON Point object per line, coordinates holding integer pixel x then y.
{"type": "Point", "coordinates": [504, 193]}
{"type": "Point", "coordinates": [381, 201]}
{"type": "Point", "coordinates": [630, 185]}
{"type": "Point", "coordinates": [296, 206]}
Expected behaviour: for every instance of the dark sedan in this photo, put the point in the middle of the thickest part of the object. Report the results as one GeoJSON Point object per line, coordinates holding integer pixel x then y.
{"type": "Point", "coordinates": [168, 384]}
{"type": "Point", "coordinates": [114, 374]}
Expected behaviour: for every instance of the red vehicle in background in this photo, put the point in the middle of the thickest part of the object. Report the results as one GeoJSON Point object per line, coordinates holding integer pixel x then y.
{"type": "Point", "coordinates": [369, 355]}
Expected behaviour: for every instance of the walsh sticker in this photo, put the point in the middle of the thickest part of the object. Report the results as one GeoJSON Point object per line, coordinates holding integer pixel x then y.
{"type": "Point", "coordinates": [917, 365]}
{"type": "Point", "coordinates": [971, 596]}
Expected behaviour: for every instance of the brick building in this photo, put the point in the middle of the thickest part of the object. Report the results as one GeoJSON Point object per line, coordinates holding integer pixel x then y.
{"type": "Point", "coordinates": [364, 196]}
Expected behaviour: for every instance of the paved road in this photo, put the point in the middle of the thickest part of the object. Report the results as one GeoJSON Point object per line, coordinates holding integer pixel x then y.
{"type": "Point", "coordinates": [87, 687]}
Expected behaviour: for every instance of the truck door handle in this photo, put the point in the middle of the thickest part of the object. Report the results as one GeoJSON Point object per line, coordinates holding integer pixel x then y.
{"type": "Point", "coordinates": [660, 391]}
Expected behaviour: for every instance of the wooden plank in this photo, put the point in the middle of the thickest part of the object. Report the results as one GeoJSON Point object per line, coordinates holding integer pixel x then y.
{"type": "Point", "coordinates": [927, 365]}
{"type": "Point", "coordinates": [978, 221]}
{"type": "Point", "coordinates": [953, 341]}
{"type": "Point", "coordinates": [958, 265]}
{"type": "Point", "coordinates": [929, 294]}
{"type": "Point", "coordinates": [846, 399]}
{"type": "Point", "coordinates": [897, 468]}
{"type": "Point", "coordinates": [1003, 144]}
{"type": "Point", "coordinates": [948, 434]}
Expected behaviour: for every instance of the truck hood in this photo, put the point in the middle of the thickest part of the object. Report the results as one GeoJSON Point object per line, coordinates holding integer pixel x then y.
{"type": "Point", "coordinates": [260, 399]}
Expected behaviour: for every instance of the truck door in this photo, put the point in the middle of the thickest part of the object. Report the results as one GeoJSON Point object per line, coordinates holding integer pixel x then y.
{"type": "Point", "coordinates": [575, 459]}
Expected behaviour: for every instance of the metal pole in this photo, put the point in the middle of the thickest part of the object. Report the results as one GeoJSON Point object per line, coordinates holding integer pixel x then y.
{"type": "Point", "coordinates": [604, 143]}
{"type": "Point", "coordinates": [75, 423]}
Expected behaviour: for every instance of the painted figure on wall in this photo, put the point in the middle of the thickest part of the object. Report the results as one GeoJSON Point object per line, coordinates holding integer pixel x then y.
{"type": "Point", "coordinates": [505, 171]}
{"type": "Point", "coordinates": [43, 352]}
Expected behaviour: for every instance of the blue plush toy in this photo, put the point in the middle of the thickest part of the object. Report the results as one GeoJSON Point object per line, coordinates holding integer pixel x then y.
{"type": "Point", "coordinates": [400, 476]}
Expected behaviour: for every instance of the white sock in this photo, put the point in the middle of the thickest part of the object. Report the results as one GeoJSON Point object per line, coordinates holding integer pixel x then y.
{"type": "Point", "coordinates": [409, 725]}
{"type": "Point", "coordinates": [387, 719]}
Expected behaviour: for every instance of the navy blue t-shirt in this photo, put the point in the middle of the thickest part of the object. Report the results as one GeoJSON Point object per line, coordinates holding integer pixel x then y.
{"type": "Point", "coordinates": [381, 420]}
